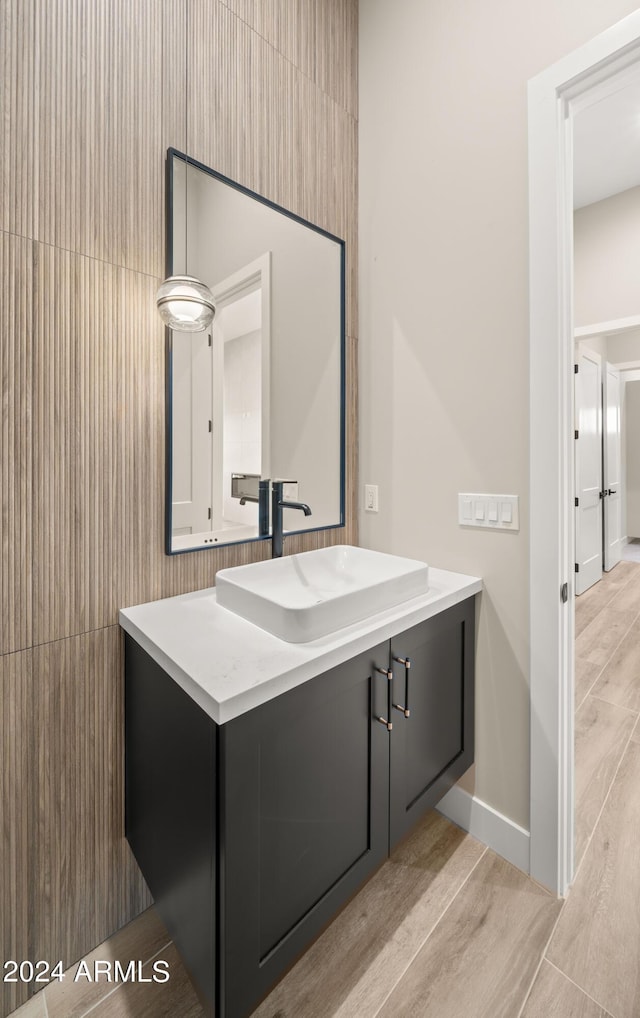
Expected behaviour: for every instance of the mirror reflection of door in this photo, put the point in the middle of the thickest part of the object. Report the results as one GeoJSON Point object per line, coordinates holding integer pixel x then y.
{"type": "Point", "coordinates": [238, 331]}
{"type": "Point", "coordinates": [192, 383]}
{"type": "Point", "coordinates": [220, 426]}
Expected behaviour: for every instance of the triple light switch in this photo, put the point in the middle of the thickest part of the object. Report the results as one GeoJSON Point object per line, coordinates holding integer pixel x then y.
{"type": "Point", "coordinates": [497, 511]}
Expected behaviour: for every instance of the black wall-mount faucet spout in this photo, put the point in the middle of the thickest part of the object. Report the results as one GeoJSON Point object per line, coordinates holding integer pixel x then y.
{"type": "Point", "coordinates": [277, 505]}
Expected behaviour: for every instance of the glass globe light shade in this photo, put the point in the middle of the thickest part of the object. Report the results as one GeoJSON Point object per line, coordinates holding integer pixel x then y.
{"type": "Point", "coordinates": [185, 304]}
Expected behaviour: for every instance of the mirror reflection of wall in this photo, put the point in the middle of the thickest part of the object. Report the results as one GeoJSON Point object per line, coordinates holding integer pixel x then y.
{"type": "Point", "coordinates": [275, 387]}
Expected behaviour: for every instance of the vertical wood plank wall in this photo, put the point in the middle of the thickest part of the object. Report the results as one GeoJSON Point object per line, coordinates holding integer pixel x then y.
{"type": "Point", "coordinates": [91, 95]}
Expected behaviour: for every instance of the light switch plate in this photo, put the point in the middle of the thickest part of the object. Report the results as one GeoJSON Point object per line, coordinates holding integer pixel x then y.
{"type": "Point", "coordinates": [494, 512]}
{"type": "Point", "coordinates": [371, 498]}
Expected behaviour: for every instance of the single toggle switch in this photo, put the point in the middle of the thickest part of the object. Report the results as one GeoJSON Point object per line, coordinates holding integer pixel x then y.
{"type": "Point", "coordinates": [506, 512]}
{"type": "Point", "coordinates": [493, 512]}
{"type": "Point", "coordinates": [479, 510]}
{"type": "Point", "coordinates": [467, 509]}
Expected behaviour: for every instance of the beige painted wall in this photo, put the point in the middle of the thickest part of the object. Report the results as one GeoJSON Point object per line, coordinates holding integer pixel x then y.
{"type": "Point", "coordinates": [444, 311]}
{"type": "Point", "coordinates": [607, 259]}
{"type": "Point", "coordinates": [617, 349]}
{"type": "Point", "coordinates": [625, 348]}
{"type": "Point", "coordinates": [598, 343]}
{"type": "Point", "coordinates": [91, 96]}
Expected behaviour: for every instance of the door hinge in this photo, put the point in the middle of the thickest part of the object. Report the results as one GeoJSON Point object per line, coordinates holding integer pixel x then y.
{"type": "Point", "coordinates": [577, 568]}
{"type": "Point", "coordinates": [576, 434]}
{"type": "Point", "coordinates": [576, 368]}
{"type": "Point", "coordinates": [208, 514]}
{"type": "Point", "coordinates": [210, 426]}
{"type": "Point", "coordinates": [564, 593]}
{"type": "Point", "coordinates": [209, 338]}
{"type": "Point", "coordinates": [576, 502]}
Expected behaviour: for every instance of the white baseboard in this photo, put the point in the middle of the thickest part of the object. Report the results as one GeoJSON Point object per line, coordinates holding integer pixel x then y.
{"type": "Point", "coordinates": [484, 822]}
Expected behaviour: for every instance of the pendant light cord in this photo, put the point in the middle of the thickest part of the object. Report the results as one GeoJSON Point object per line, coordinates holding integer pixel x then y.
{"type": "Point", "coordinates": [185, 304]}
{"type": "Point", "coordinates": [186, 134]}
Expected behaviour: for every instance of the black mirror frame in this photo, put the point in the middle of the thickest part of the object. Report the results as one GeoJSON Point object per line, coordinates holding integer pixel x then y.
{"type": "Point", "coordinates": [173, 154]}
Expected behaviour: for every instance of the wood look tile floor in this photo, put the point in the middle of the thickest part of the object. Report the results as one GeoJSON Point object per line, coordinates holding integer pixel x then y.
{"type": "Point", "coordinates": [446, 928]}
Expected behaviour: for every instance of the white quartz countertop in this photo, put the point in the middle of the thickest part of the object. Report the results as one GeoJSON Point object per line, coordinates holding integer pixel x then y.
{"type": "Point", "coordinates": [229, 666]}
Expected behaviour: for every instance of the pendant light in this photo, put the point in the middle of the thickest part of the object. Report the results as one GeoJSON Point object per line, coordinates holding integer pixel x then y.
{"type": "Point", "coordinates": [184, 302]}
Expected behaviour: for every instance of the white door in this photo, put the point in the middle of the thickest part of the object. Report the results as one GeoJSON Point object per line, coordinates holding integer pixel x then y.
{"type": "Point", "coordinates": [191, 379]}
{"type": "Point", "coordinates": [588, 469]}
{"type": "Point", "coordinates": [612, 468]}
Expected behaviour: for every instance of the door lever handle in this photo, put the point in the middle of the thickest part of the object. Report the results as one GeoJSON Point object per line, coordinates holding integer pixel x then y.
{"type": "Point", "coordinates": [611, 491]}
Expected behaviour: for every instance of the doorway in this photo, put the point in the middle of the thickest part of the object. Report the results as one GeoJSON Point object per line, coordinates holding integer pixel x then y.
{"type": "Point", "coordinates": [580, 80]}
{"type": "Point", "coordinates": [608, 445]}
{"type": "Point", "coordinates": [589, 497]}
{"type": "Point", "coordinates": [600, 491]}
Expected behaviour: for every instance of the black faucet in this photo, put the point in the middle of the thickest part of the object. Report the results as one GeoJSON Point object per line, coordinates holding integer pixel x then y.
{"type": "Point", "coordinates": [277, 505]}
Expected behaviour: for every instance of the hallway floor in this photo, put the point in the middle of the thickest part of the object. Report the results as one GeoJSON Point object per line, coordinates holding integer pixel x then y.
{"type": "Point", "coordinates": [446, 928]}
{"type": "Point", "coordinates": [631, 551]}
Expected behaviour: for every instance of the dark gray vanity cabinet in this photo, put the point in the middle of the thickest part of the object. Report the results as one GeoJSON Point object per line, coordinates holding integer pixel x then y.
{"type": "Point", "coordinates": [433, 678]}
{"type": "Point", "coordinates": [305, 787]}
{"type": "Point", "coordinates": [253, 834]}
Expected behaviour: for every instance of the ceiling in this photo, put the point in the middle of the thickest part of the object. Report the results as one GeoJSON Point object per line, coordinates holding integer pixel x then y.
{"type": "Point", "coordinates": [606, 146]}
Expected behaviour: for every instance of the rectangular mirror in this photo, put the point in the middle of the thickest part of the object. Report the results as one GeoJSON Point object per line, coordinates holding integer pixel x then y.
{"type": "Point", "coordinates": [260, 395]}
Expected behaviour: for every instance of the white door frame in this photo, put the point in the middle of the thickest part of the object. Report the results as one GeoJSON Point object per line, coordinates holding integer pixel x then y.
{"type": "Point", "coordinates": [554, 96]}
{"type": "Point", "coordinates": [613, 328]}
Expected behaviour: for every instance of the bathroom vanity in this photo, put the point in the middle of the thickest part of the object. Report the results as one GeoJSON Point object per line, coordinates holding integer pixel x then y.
{"type": "Point", "coordinates": [266, 780]}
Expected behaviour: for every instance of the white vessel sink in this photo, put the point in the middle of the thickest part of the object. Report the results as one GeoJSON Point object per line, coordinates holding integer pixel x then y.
{"type": "Point", "coordinates": [302, 597]}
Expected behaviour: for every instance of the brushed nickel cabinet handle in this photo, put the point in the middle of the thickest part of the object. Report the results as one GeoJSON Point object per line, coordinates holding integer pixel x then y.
{"type": "Point", "coordinates": [383, 721]}
{"type": "Point", "coordinates": [404, 708]}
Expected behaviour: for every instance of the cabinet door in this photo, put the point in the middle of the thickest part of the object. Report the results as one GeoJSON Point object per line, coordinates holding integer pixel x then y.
{"type": "Point", "coordinates": [304, 820]}
{"type": "Point", "coordinates": [171, 809]}
{"type": "Point", "coordinates": [432, 741]}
